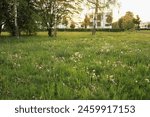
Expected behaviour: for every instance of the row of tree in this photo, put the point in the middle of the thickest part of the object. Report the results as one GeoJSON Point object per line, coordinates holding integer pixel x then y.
{"type": "Point", "coordinates": [127, 22]}
{"type": "Point", "coordinates": [26, 15]}
{"type": "Point", "coordinates": [17, 16]}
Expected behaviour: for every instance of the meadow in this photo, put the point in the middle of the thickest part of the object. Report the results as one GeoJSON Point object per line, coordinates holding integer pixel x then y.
{"type": "Point", "coordinates": [76, 65]}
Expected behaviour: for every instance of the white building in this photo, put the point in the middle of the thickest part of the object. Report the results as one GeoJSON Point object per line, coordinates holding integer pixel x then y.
{"type": "Point", "coordinates": [145, 25]}
{"type": "Point", "coordinates": [89, 10]}
{"type": "Point", "coordinates": [101, 20]}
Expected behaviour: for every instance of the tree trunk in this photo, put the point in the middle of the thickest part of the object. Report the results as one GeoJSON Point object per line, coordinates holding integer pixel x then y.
{"type": "Point", "coordinates": [55, 27]}
{"type": "Point", "coordinates": [55, 20]}
{"type": "Point", "coordinates": [94, 29]}
{"type": "Point", "coordinates": [0, 29]}
{"type": "Point", "coordinates": [50, 32]}
{"type": "Point", "coordinates": [95, 18]}
{"type": "Point", "coordinates": [138, 26]}
{"type": "Point", "coordinates": [13, 32]}
{"type": "Point", "coordinates": [55, 32]}
{"type": "Point", "coordinates": [16, 22]}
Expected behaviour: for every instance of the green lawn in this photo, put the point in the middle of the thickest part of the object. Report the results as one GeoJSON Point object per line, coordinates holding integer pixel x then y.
{"type": "Point", "coordinates": [76, 65]}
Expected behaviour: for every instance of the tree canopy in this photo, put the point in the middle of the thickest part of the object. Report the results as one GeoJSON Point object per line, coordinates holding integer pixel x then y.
{"type": "Point", "coordinates": [100, 6]}
{"type": "Point", "coordinates": [27, 16]}
{"type": "Point", "coordinates": [128, 22]}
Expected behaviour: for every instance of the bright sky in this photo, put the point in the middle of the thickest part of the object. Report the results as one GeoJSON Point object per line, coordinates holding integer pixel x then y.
{"type": "Point", "coordinates": [138, 7]}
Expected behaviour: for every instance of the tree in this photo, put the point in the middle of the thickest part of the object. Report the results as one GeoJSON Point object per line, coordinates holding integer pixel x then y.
{"type": "Point", "coordinates": [86, 21]}
{"type": "Point", "coordinates": [137, 22]}
{"type": "Point", "coordinates": [27, 19]}
{"type": "Point", "coordinates": [4, 12]}
{"type": "Point", "coordinates": [149, 25]}
{"type": "Point", "coordinates": [100, 5]}
{"type": "Point", "coordinates": [9, 18]}
{"type": "Point", "coordinates": [82, 24]}
{"type": "Point", "coordinates": [2, 16]}
{"type": "Point", "coordinates": [115, 25]}
{"type": "Point", "coordinates": [9, 13]}
{"type": "Point", "coordinates": [52, 11]}
{"type": "Point", "coordinates": [72, 25]}
{"type": "Point", "coordinates": [109, 18]}
{"type": "Point", "coordinates": [120, 23]}
{"type": "Point", "coordinates": [65, 21]}
{"type": "Point", "coordinates": [128, 21]}
{"type": "Point", "coordinates": [16, 19]}
{"type": "Point", "coordinates": [19, 15]}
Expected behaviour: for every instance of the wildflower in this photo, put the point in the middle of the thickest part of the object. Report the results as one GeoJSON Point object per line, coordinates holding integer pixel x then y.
{"type": "Point", "coordinates": [18, 65]}
{"type": "Point", "coordinates": [113, 81]}
{"type": "Point", "coordinates": [39, 67]}
{"type": "Point", "coordinates": [111, 76]}
{"type": "Point", "coordinates": [107, 50]}
{"type": "Point", "coordinates": [63, 84]}
{"type": "Point", "coordinates": [76, 53]}
{"type": "Point", "coordinates": [108, 61]}
{"type": "Point", "coordinates": [76, 57]}
{"type": "Point", "coordinates": [100, 62]}
{"type": "Point", "coordinates": [147, 80]}
{"type": "Point", "coordinates": [3, 52]}
{"type": "Point", "coordinates": [114, 64]}
{"type": "Point", "coordinates": [102, 50]}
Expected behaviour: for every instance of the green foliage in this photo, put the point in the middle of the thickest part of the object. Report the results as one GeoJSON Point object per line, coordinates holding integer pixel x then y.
{"type": "Point", "coordinates": [120, 23]}
{"type": "Point", "coordinates": [115, 25]}
{"type": "Point", "coordinates": [72, 25]}
{"type": "Point", "coordinates": [26, 16]}
{"type": "Point", "coordinates": [27, 19]}
{"type": "Point", "coordinates": [149, 25]}
{"type": "Point", "coordinates": [65, 21]}
{"type": "Point", "coordinates": [52, 12]}
{"type": "Point", "coordinates": [88, 30]}
{"type": "Point", "coordinates": [128, 22]}
{"type": "Point", "coordinates": [100, 6]}
{"type": "Point", "coordinates": [76, 65]}
{"type": "Point", "coordinates": [2, 16]}
{"type": "Point", "coordinates": [86, 22]}
{"type": "Point", "coordinates": [109, 18]}
{"type": "Point", "coordinates": [137, 22]}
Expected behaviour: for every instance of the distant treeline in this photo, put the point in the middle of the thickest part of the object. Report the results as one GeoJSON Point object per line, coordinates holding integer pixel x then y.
{"type": "Point", "coordinates": [89, 30]}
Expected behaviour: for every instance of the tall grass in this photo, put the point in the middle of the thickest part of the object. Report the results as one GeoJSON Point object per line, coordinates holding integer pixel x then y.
{"type": "Point", "coordinates": [76, 65]}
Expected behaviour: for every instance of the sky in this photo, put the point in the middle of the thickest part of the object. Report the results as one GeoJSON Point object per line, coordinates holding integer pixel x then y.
{"type": "Point", "coordinates": [138, 7]}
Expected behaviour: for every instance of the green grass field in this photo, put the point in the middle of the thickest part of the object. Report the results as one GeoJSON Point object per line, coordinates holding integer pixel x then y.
{"type": "Point", "coordinates": [76, 65]}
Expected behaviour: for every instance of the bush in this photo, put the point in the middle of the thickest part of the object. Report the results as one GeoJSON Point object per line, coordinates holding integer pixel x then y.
{"type": "Point", "coordinates": [89, 30]}
{"type": "Point", "coordinates": [72, 26]}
